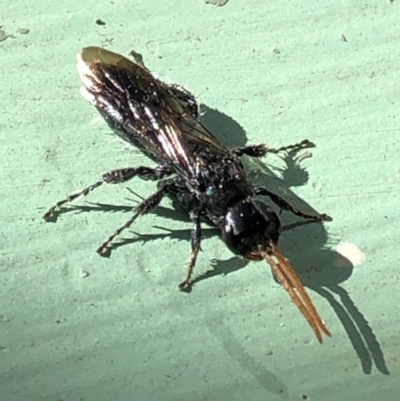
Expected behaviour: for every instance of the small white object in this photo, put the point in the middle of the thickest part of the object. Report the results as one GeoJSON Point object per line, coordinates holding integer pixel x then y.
{"type": "Point", "coordinates": [351, 253]}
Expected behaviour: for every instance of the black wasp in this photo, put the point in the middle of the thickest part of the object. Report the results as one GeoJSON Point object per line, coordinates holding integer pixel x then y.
{"type": "Point", "coordinates": [194, 168]}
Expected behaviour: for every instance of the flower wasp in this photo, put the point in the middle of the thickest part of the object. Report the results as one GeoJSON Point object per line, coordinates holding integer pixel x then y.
{"type": "Point", "coordinates": [193, 168]}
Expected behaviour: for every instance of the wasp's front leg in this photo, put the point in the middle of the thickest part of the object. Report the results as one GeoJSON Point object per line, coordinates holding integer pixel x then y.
{"type": "Point", "coordinates": [261, 149]}
{"type": "Point", "coordinates": [287, 206]}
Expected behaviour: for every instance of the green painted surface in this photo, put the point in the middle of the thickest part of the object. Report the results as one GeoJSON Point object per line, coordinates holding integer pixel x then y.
{"type": "Point", "coordinates": [277, 72]}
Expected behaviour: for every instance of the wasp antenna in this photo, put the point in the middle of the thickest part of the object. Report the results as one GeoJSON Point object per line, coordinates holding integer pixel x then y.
{"type": "Point", "coordinates": [285, 274]}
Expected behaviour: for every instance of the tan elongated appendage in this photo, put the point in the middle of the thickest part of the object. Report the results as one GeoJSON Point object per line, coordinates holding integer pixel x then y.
{"type": "Point", "coordinates": [292, 284]}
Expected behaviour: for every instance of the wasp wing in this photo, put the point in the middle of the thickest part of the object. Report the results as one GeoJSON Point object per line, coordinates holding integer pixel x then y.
{"type": "Point", "coordinates": [144, 111]}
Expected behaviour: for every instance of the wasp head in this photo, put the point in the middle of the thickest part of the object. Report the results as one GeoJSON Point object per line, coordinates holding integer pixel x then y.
{"type": "Point", "coordinates": [249, 227]}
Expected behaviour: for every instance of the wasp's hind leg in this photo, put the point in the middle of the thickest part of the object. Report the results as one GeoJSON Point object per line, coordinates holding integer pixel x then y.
{"type": "Point", "coordinates": [112, 177]}
{"type": "Point", "coordinates": [143, 208]}
{"type": "Point", "coordinates": [186, 98]}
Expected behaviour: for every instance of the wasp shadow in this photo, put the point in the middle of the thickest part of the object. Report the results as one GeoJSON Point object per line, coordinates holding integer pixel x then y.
{"type": "Point", "coordinates": [302, 242]}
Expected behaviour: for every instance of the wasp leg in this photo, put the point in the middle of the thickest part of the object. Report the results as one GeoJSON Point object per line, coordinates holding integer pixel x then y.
{"type": "Point", "coordinates": [143, 208]}
{"type": "Point", "coordinates": [261, 149]}
{"type": "Point", "coordinates": [287, 206]}
{"type": "Point", "coordinates": [195, 243]}
{"type": "Point", "coordinates": [112, 177]}
{"type": "Point", "coordinates": [187, 99]}
{"type": "Point", "coordinates": [252, 151]}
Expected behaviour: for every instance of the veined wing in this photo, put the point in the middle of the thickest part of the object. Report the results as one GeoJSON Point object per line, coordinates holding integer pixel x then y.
{"type": "Point", "coordinates": [142, 110]}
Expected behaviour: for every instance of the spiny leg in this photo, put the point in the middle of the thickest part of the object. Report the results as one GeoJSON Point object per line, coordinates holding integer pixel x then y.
{"type": "Point", "coordinates": [261, 149]}
{"type": "Point", "coordinates": [112, 177]}
{"type": "Point", "coordinates": [304, 144]}
{"type": "Point", "coordinates": [143, 208]}
{"type": "Point", "coordinates": [252, 151]}
{"type": "Point", "coordinates": [186, 98]}
{"type": "Point", "coordinates": [287, 206]}
{"type": "Point", "coordinates": [195, 243]}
